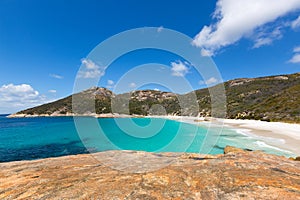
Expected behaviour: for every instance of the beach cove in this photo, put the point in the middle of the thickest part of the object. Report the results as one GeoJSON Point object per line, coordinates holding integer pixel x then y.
{"type": "Point", "coordinates": [42, 137]}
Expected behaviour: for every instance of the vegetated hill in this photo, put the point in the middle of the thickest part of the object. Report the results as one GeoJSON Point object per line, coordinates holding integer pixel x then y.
{"type": "Point", "coordinates": [94, 99]}
{"type": "Point", "coordinates": [273, 98]}
{"type": "Point", "coordinates": [142, 102]}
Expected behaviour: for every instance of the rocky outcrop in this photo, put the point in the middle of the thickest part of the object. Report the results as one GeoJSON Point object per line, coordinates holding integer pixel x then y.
{"type": "Point", "coordinates": [230, 149]}
{"type": "Point", "coordinates": [140, 175]}
{"type": "Point", "coordinates": [296, 159]}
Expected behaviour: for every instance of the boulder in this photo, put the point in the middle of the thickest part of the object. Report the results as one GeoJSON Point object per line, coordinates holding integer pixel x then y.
{"type": "Point", "coordinates": [231, 149]}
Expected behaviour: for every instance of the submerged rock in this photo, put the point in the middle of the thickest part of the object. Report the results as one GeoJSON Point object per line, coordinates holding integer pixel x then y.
{"type": "Point", "coordinates": [141, 175]}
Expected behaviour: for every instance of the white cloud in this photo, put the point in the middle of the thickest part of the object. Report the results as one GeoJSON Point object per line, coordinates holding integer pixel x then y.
{"type": "Point", "coordinates": [17, 97]}
{"type": "Point", "coordinates": [110, 84]}
{"type": "Point", "coordinates": [159, 29]}
{"type": "Point", "coordinates": [56, 76]}
{"type": "Point", "coordinates": [209, 81]}
{"type": "Point", "coordinates": [205, 52]}
{"type": "Point", "coordinates": [132, 85]}
{"type": "Point", "coordinates": [89, 64]}
{"type": "Point", "coordinates": [296, 49]}
{"type": "Point", "coordinates": [262, 42]}
{"type": "Point", "coordinates": [52, 91]}
{"type": "Point", "coordinates": [90, 69]}
{"type": "Point", "coordinates": [296, 23]}
{"type": "Point", "coordinates": [266, 37]}
{"type": "Point", "coordinates": [179, 68]}
{"type": "Point", "coordinates": [238, 19]}
{"type": "Point", "coordinates": [296, 57]}
{"type": "Point", "coordinates": [156, 89]}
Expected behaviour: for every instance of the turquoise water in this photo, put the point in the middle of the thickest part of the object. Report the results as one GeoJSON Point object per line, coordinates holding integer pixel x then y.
{"type": "Point", "coordinates": [33, 138]}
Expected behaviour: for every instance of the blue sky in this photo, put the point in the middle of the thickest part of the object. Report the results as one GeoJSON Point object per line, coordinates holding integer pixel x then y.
{"type": "Point", "coordinates": [43, 43]}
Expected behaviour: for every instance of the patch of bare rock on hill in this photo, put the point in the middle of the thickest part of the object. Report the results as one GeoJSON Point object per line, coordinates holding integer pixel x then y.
{"type": "Point", "coordinates": [130, 175]}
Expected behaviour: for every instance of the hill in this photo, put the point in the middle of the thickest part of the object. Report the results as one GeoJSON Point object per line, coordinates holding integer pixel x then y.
{"type": "Point", "coordinates": [272, 98]}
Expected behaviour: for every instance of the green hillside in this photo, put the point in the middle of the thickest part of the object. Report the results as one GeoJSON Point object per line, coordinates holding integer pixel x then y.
{"type": "Point", "coordinates": [274, 98]}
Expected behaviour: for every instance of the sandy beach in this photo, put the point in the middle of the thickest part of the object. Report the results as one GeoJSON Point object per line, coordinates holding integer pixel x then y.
{"type": "Point", "coordinates": [283, 135]}
{"type": "Point", "coordinates": [277, 134]}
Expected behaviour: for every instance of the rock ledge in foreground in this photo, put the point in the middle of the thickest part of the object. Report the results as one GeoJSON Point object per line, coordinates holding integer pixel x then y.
{"type": "Point", "coordinates": [110, 175]}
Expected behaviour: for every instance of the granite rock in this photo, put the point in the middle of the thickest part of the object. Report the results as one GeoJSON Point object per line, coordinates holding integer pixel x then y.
{"type": "Point", "coordinates": [141, 175]}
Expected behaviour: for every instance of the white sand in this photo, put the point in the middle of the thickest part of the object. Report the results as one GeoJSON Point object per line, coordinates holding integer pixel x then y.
{"type": "Point", "coordinates": [270, 132]}
{"type": "Point", "coordinates": [282, 135]}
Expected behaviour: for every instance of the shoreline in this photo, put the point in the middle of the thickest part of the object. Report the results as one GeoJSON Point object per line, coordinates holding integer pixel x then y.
{"type": "Point", "coordinates": [278, 134]}
{"type": "Point", "coordinates": [104, 115]}
{"type": "Point", "coordinates": [284, 136]}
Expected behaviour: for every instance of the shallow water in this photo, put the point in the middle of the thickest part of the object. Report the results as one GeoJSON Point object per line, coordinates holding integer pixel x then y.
{"type": "Point", "coordinates": [42, 137]}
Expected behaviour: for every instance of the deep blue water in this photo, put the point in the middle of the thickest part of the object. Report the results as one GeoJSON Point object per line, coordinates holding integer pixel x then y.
{"type": "Point", "coordinates": [32, 138]}
{"type": "Point", "coordinates": [42, 137]}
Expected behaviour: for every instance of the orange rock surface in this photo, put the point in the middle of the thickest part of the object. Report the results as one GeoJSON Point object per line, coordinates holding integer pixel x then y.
{"type": "Point", "coordinates": [141, 175]}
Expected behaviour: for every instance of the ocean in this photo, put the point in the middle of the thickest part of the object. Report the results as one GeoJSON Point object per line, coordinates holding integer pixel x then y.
{"type": "Point", "coordinates": [43, 137]}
